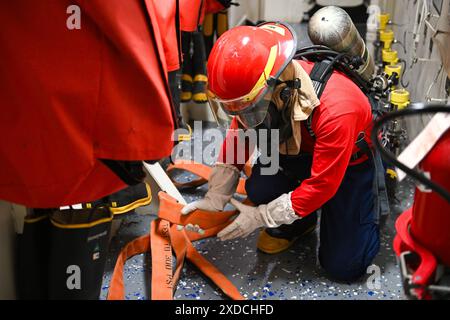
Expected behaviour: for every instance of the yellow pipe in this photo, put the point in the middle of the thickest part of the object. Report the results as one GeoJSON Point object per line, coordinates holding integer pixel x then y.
{"type": "Point", "coordinates": [383, 19]}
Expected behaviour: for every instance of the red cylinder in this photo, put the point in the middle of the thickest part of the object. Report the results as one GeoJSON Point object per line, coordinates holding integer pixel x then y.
{"type": "Point", "coordinates": [430, 224]}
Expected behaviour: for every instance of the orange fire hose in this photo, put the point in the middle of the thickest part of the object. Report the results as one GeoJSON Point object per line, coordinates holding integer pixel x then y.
{"type": "Point", "coordinates": [164, 238]}
{"type": "Point", "coordinates": [203, 172]}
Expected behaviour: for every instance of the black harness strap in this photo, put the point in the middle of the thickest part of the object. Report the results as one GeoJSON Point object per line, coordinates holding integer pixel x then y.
{"type": "Point", "coordinates": [309, 125]}
{"type": "Point", "coordinates": [320, 74]}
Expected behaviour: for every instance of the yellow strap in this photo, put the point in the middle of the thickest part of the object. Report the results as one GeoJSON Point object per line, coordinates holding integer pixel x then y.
{"type": "Point", "coordinates": [200, 97]}
{"type": "Point", "coordinates": [35, 219]}
{"type": "Point", "coordinates": [201, 77]}
{"type": "Point", "coordinates": [81, 225]}
{"type": "Point", "coordinates": [136, 204]}
{"type": "Point", "coordinates": [186, 77]}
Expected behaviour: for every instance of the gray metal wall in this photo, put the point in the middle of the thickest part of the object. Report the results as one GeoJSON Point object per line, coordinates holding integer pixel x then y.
{"type": "Point", "coordinates": [426, 82]}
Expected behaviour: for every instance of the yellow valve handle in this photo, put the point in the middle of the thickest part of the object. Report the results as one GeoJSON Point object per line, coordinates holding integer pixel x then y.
{"type": "Point", "coordinates": [387, 37]}
{"type": "Point", "coordinates": [400, 98]}
{"type": "Point", "coordinates": [390, 69]}
{"type": "Point", "coordinates": [389, 56]}
{"type": "Point", "coordinates": [383, 20]}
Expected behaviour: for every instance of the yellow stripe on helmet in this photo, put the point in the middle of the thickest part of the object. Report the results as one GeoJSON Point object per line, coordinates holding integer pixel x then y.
{"type": "Point", "coordinates": [264, 75]}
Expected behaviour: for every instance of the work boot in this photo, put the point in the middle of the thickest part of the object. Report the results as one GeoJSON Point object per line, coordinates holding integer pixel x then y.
{"type": "Point", "coordinates": [78, 248]}
{"type": "Point", "coordinates": [130, 198]}
{"type": "Point", "coordinates": [199, 68]}
{"type": "Point", "coordinates": [32, 256]}
{"type": "Point", "coordinates": [175, 90]}
{"type": "Point", "coordinates": [276, 240]}
{"type": "Point", "coordinates": [124, 201]}
{"type": "Point", "coordinates": [186, 73]}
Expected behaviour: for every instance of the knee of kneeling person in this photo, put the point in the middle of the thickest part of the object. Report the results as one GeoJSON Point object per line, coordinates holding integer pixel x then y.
{"type": "Point", "coordinates": [254, 192]}
{"type": "Point", "coordinates": [349, 270]}
{"type": "Point", "coordinates": [344, 274]}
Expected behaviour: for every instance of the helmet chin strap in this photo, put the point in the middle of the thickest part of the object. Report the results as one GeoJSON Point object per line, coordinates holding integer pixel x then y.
{"type": "Point", "coordinates": [280, 118]}
{"type": "Point", "coordinates": [286, 95]}
{"type": "Point", "coordinates": [287, 91]}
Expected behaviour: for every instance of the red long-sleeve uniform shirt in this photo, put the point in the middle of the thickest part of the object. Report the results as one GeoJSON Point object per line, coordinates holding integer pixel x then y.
{"type": "Point", "coordinates": [343, 113]}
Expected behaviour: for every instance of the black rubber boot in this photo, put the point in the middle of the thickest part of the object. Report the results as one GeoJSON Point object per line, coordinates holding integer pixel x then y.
{"type": "Point", "coordinates": [32, 256]}
{"type": "Point", "coordinates": [126, 200]}
{"type": "Point", "coordinates": [130, 198]}
{"type": "Point", "coordinates": [175, 84]}
{"type": "Point", "coordinates": [186, 73]}
{"type": "Point", "coordinates": [175, 90]}
{"type": "Point", "coordinates": [78, 249]}
{"type": "Point", "coordinates": [199, 68]}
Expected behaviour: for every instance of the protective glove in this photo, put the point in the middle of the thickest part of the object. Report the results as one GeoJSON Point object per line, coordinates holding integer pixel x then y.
{"type": "Point", "coordinates": [223, 182]}
{"type": "Point", "coordinates": [270, 215]}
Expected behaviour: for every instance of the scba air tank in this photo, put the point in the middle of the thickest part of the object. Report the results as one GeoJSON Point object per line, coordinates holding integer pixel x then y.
{"type": "Point", "coordinates": [332, 27]}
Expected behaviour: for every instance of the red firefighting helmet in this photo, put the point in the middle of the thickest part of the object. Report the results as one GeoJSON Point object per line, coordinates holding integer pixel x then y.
{"type": "Point", "coordinates": [243, 67]}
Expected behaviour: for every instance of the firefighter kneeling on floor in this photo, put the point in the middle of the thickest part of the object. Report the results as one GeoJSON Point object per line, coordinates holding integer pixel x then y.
{"type": "Point", "coordinates": [254, 78]}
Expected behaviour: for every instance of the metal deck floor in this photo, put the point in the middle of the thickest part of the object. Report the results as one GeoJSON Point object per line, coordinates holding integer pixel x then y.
{"type": "Point", "coordinates": [294, 274]}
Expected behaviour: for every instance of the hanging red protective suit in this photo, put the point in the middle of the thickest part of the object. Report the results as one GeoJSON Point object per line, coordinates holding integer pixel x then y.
{"type": "Point", "coordinates": [192, 12]}
{"type": "Point", "coordinates": [166, 12]}
{"type": "Point", "coordinates": [70, 97]}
